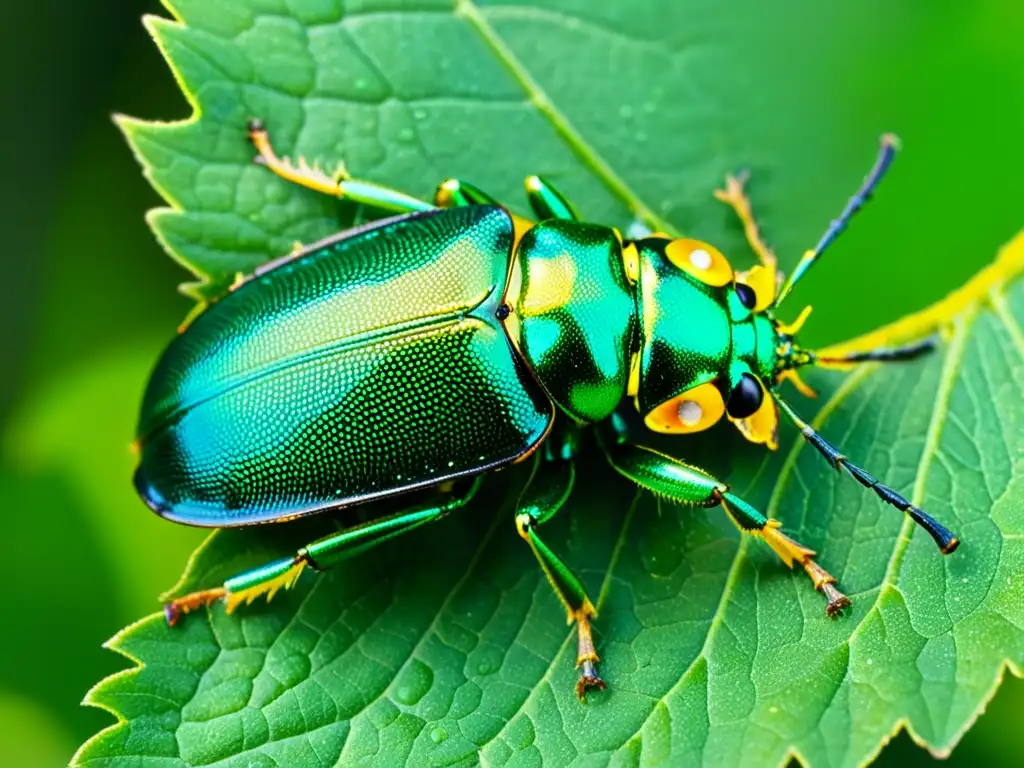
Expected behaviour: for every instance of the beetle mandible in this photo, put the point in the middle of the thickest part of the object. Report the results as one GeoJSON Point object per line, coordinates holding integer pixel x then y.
{"type": "Point", "coordinates": [456, 338]}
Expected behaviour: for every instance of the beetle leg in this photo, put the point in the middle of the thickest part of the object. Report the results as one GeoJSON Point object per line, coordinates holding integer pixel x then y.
{"type": "Point", "coordinates": [267, 580]}
{"type": "Point", "coordinates": [765, 278]}
{"type": "Point", "coordinates": [547, 202]}
{"type": "Point", "coordinates": [338, 185]}
{"type": "Point", "coordinates": [736, 198]}
{"type": "Point", "coordinates": [549, 487]}
{"type": "Point", "coordinates": [453, 193]}
{"type": "Point", "coordinates": [672, 479]}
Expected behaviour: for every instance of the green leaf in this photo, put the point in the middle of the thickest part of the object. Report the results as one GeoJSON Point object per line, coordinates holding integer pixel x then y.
{"type": "Point", "coordinates": [447, 646]}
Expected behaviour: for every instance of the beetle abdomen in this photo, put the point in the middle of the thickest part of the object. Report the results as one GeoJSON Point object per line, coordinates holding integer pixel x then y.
{"type": "Point", "coordinates": [370, 364]}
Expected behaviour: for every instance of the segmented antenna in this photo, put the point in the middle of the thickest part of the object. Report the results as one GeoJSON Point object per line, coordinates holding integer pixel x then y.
{"type": "Point", "coordinates": [943, 537]}
{"type": "Point", "coordinates": [885, 156]}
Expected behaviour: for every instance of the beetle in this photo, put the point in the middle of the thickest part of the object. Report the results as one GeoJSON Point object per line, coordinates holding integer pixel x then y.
{"type": "Point", "coordinates": [455, 338]}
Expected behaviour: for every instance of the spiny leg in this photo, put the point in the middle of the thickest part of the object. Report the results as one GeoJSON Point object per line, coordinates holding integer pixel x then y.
{"type": "Point", "coordinates": [549, 487]}
{"type": "Point", "coordinates": [835, 228]}
{"type": "Point", "coordinates": [944, 538]}
{"type": "Point", "coordinates": [339, 185]}
{"type": "Point", "coordinates": [736, 198]}
{"type": "Point", "coordinates": [684, 484]}
{"type": "Point", "coordinates": [321, 554]}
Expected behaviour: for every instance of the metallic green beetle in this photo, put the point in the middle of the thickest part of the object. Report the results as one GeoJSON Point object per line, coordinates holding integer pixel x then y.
{"type": "Point", "coordinates": [456, 338]}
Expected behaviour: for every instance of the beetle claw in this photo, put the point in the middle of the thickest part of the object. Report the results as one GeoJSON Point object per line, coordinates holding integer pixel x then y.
{"type": "Point", "coordinates": [837, 601]}
{"type": "Point", "coordinates": [174, 610]}
{"type": "Point", "coordinates": [588, 679]}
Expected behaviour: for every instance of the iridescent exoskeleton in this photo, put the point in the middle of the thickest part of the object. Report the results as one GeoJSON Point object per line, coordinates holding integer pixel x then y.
{"type": "Point", "coordinates": [455, 338]}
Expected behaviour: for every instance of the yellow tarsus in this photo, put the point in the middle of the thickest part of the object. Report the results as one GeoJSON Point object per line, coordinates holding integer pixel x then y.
{"type": "Point", "coordinates": [792, 329]}
{"type": "Point", "coordinates": [270, 588]}
{"type": "Point", "coordinates": [789, 551]}
{"type": "Point", "coordinates": [793, 378]}
{"type": "Point", "coordinates": [735, 197]}
{"type": "Point", "coordinates": [302, 174]}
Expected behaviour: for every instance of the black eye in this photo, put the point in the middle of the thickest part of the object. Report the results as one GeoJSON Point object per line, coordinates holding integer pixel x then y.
{"type": "Point", "coordinates": [747, 297]}
{"type": "Point", "coordinates": [746, 398]}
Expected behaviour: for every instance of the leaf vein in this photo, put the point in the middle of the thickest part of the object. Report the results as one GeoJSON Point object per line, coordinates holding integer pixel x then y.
{"type": "Point", "coordinates": [468, 10]}
{"type": "Point", "coordinates": [998, 301]}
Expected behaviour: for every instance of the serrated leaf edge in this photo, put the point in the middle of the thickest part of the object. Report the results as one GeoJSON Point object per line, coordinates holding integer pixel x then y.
{"type": "Point", "coordinates": [93, 696]}
{"type": "Point", "coordinates": [128, 125]}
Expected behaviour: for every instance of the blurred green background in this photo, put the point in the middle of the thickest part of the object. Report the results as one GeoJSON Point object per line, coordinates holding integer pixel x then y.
{"type": "Point", "coordinates": [89, 297]}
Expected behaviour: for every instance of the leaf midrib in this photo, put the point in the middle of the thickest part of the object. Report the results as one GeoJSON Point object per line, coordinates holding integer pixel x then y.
{"type": "Point", "coordinates": [469, 11]}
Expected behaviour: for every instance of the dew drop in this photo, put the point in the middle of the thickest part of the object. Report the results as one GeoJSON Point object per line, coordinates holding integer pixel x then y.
{"type": "Point", "coordinates": [406, 135]}
{"type": "Point", "coordinates": [487, 660]}
{"type": "Point", "coordinates": [362, 84]}
{"type": "Point", "coordinates": [437, 735]}
{"type": "Point", "coordinates": [625, 111]}
{"type": "Point", "coordinates": [419, 114]}
{"type": "Point", "coordinates": [660, 554]}
{"type": "Point", "coordinates": [414, 683]}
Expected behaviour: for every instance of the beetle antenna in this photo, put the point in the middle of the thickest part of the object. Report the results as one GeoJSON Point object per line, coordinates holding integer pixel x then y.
{"type": "Point", "coordinates": [943, 537]}
{"type": "Point", "coordinates": [882, 354]}
{"type": "Point", "coordinates": [885, 156]}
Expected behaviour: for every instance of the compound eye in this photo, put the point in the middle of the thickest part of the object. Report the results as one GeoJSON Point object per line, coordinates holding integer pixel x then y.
{"type": "Point", "coordinates": [746, 397]}
{"type": "Point", "coordinates": [700, 260]}
{"type": "Point", "coordinates": [746, 295]}
{"type": "Point", "coordinates": [760, 280]}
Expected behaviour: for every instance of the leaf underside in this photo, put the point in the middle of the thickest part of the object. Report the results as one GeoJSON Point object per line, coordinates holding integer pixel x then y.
{"type": "Point", "coordinates": [447, 646]}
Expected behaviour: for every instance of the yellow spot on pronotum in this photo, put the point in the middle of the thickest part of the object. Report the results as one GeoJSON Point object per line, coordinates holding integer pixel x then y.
{"type": "Point", "coordinates": [695, 410]}
{"type": "Point", "coordinates": [552, 282]}
{"type": "Point", "coordinates": [700, 260]}
{"type": "Point", "coordinates": [269, 588]}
